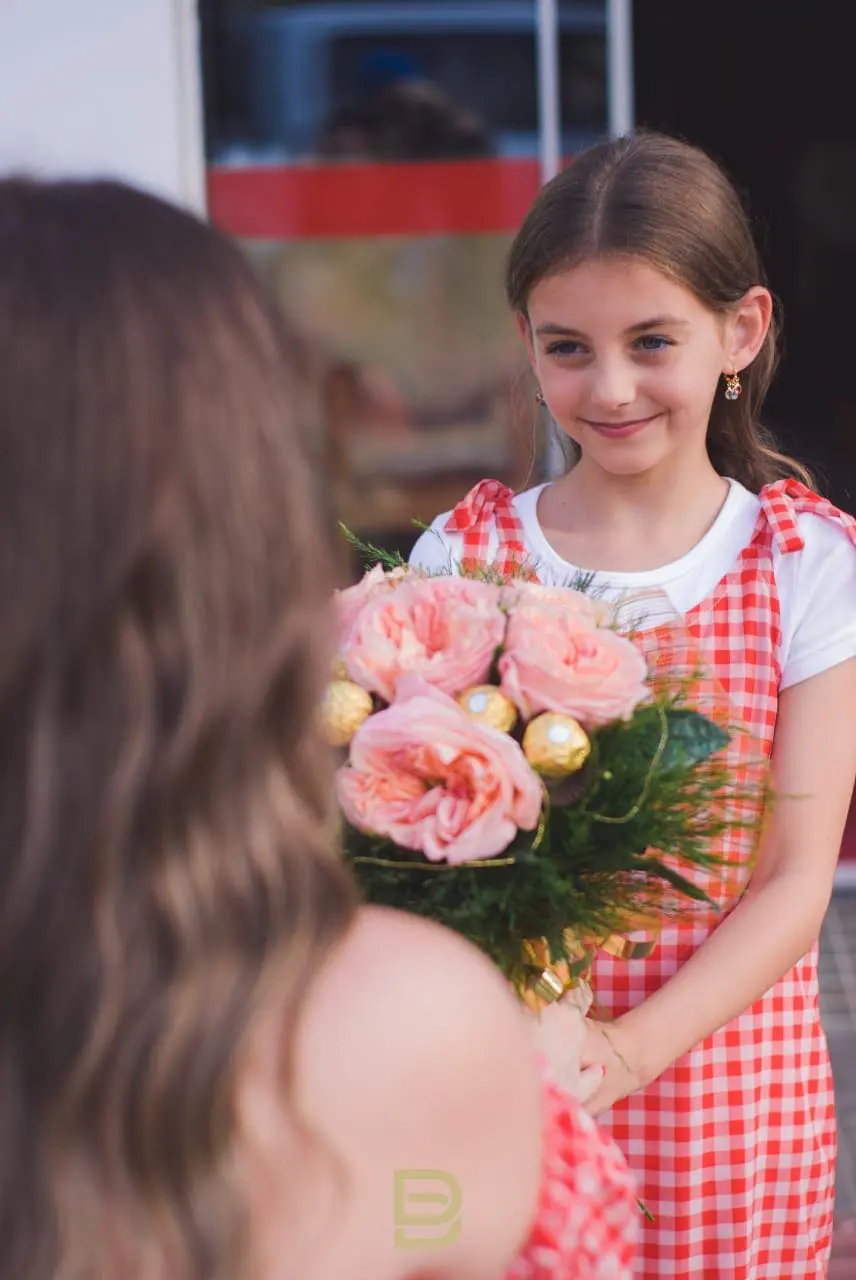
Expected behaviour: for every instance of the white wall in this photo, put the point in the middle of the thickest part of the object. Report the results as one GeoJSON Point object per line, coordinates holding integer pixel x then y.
{"type": "Point", "coordinates": [103, 87]}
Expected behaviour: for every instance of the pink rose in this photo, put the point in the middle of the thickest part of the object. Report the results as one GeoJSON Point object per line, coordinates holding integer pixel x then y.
{"type": "Point", "coordinates": [558, 661]}
{"type": "Point", "coordinates": [350, 601]}
{"type": "Point", "coordinates": [427, 777]}
{"type": "Point", "coordinates": [580, 604]}
{"type": "Point", "coordinates": [445, 629]}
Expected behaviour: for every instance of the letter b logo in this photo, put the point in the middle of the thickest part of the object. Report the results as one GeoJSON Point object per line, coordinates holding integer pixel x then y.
{"type": "Point", "coordinates": [427, 1208]}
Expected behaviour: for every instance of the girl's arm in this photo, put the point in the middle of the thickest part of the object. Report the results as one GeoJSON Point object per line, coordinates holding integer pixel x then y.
{"type": "Point", "coordinates": [779, 916]}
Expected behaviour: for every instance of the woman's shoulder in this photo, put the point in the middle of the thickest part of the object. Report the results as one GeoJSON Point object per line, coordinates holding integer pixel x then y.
{"type": "Point", "coordinates": [414, 1056]}
{"type": "Point", "coordinates": [394, 950]}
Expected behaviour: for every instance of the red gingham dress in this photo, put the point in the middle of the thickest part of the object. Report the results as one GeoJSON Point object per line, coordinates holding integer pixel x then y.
{"type": "Point", "coordinates": [734, 1145]}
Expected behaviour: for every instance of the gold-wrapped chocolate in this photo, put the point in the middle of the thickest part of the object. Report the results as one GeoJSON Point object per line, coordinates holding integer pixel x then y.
{"type": "Point", "coordinates": [555, 745]}
{"type": "Point", "coordinates": [343, 710]}
{"type": "Point", "coordinates": [488, 705]}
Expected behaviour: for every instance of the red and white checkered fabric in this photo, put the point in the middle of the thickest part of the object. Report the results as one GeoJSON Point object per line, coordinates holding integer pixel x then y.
{"type": "Point", "coordinates": [587, 1224]}
{"type": "Point", "coordinates": [490, 505]}
{"type": "Point", "coordinates": [734, 1146]}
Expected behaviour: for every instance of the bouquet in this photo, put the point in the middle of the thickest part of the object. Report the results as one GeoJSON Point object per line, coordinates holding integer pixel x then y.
{"type": "Point", "coordinates": [513, 770]}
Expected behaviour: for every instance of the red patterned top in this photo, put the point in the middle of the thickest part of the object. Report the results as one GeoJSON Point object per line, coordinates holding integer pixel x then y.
{"type": "Point", "coordinates": [734, 1145]}
{"type": "Point", "coordinates": [587, 1222]}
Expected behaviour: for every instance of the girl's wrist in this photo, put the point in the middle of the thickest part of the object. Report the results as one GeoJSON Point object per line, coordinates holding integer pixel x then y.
{"type": "Point", "coordinates": [645, 1051]}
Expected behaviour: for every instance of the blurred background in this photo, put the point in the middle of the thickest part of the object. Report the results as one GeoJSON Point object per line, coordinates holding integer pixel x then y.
{"type": "Point", "coordinates": [375, 159]}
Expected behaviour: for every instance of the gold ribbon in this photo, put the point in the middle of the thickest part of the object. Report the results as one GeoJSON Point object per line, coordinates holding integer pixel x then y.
{"type": "Point", "coordinates": [629, 948]}
{"type": "Point", "coordinates": [624, 948]}
{"type": "Point", "coordinates": [543, 980]}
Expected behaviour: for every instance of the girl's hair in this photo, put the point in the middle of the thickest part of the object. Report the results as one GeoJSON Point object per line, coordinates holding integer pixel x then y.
{"type": "Point", "coordinates": [166, 852]}
{"type": "Point", "coordinates": [654, 197]}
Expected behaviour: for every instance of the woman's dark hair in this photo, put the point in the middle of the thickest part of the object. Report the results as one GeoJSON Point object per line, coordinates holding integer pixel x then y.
{"type": "Point", "coordinates": [165, 803]}
{"type": "Point", "coordinates": [653, 197]}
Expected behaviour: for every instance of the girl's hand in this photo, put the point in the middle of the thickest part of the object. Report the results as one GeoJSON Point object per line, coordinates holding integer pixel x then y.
{"type": "Point", "coordinates": [609, 1049]}
{"type": "Point", "coordinates": [560, 1032]}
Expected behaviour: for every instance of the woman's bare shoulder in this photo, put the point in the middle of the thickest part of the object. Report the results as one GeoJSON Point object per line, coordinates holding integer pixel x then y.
{"type": "Point", "coordinates": [414, 1055]}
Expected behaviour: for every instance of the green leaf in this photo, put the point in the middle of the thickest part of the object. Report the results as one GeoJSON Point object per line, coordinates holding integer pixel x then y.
{"type": "Point", "coordinates": [371, 554]}
{"type": "Point", "coordinates": [692, 739]}
{"type": "Point", "coordinates": [654, 867]}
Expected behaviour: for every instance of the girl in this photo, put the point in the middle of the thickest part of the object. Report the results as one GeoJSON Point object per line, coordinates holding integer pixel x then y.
{"type": "Point", "coordinates": [640, 299]}
{"type": "Point", "coordinates": [212, 1063]}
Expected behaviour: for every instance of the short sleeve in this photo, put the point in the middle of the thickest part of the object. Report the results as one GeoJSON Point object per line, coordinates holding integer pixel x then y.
{"type": "Point", "coordinates": [817, 595]}
{"type": "Point", "coordinates": [433, 550]}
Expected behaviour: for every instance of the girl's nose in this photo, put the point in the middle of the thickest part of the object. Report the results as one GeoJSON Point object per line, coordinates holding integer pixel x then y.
{"type": "Point", "coordinates": [613, 384]}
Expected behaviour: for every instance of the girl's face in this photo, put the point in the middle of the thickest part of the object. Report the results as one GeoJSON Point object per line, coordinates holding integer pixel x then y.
{"type": "Point", "coordinates": [629, 361]}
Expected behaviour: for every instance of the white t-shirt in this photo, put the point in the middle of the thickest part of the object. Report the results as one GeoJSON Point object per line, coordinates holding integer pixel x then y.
{"type": "Point", "coordinates": [816, 586]}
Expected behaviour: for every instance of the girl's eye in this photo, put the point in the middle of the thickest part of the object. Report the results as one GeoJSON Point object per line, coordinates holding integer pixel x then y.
{"type": "Point", "coordinates": [565, 347]}
{"type": "Point", "coordinates": [653, 342]}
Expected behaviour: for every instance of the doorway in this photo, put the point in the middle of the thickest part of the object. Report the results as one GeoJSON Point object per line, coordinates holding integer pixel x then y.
{"type": "Point", "coordinates": [767, 87]}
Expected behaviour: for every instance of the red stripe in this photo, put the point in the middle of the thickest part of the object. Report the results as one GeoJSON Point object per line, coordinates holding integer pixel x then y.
{"type": "Point", "coordinates": [291, 202]}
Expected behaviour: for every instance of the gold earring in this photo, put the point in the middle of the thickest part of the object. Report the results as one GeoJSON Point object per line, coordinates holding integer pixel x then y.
{"type": "Point", "coordinates": [539, 397]}
{"type": "Point", "coordinates": [733, 387]}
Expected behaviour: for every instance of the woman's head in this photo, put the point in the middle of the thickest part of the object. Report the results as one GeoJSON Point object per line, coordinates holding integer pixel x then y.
{"type": "Point", "coordinates": [164, 800]}
{"type": "Point", "coordinates": [657, 210]}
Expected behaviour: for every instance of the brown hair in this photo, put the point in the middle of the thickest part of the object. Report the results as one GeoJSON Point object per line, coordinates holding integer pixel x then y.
{"type": "Point", "coordinates": [165, 804]}
{"type": "Point", "coordinates": [662, 200]}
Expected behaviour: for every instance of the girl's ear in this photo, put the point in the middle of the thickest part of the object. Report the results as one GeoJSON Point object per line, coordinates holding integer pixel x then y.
{"type": "Point", "coordinates": [750, 323]}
